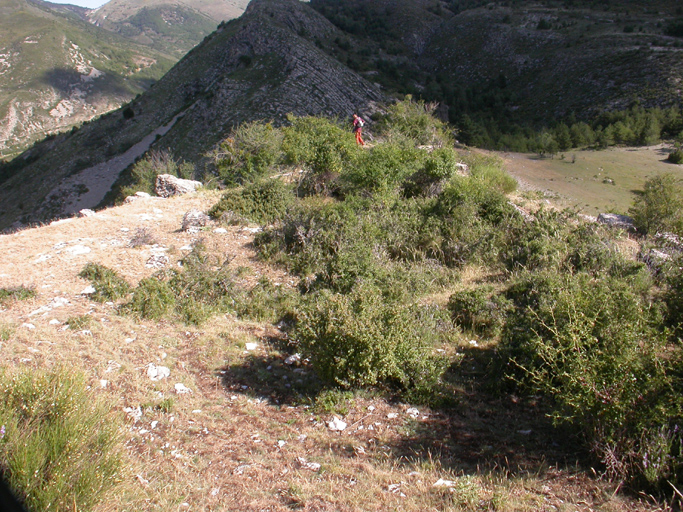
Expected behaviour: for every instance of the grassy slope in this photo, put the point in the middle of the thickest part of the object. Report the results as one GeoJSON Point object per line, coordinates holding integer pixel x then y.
{"type": "Point", "coordinates": [217, 447]}
{"type": "Point", "coordinates": [581, 184]}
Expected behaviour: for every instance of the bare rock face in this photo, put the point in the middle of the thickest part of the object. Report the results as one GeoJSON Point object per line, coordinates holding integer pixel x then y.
{"type": "Point", "coordinates": [195, 219]}
{"type": "Point", "coordinates": [617, 221]}
{"type": "Point", "coordinates": [168, 185]}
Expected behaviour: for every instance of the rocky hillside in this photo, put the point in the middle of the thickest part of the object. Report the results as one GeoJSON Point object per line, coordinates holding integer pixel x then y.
{"type": "Point", "coordinates": [521, 61]}
{"type": "Point", "coordinates": [57, 70]}
{"type": "Point", "coordinates": [255, 67]}
{"type": "Point", "coordinates": [172, 27]}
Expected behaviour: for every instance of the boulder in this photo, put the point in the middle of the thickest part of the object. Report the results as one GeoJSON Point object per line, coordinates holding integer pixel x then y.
{"type": "Point", "coordinates": [195, 219]}
{"type": "Point", "coordinates": [168, 185]}
{"type": "Point", "coordinates": [617, 221]}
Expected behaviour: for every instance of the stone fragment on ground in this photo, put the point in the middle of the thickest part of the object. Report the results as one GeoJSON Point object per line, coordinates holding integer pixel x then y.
{"type": "Point", "coordinates": [617, 221]}
{"type": "Point", "coordinates": [168, 185]}
{"type": "Point", "coordinates": [336, 425]}
{"type": "Point", "coordinates": [194, 219]}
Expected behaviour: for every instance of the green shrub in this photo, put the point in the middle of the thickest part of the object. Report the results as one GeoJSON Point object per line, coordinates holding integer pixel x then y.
{"type": "Point", "coordinates": [152, 299]}
{"type": "Point", "coordinates": [78, 323]}
{"type": "Point", "coordinates": [439, 166]}
{"type": "Point", "coordinates": [660, 206]}
{"type": "Point", "coordinates": [16, 293]}
{"type": "Point", "coordinates": [262, 202]}
{"type": "Point", "coordinates": [321, 147]}
{"type": "Point", "coordinates": [203, 288]}
{"type": "Point", "coordinates": [60, 447]}
{"type": "Point", "coordinates": [673, 295]}
{"type": "Point", "coordinates": [593, 346]}
{"type": "Point", "coordinates": [358, 340]}
{"type": "Point", "coordinates": [249, 153]}
{"type": "Point", "coordinates": [676, 156]}
{"type": "Point", "coordinates": [415, 120]}
{"type": "Point", "coordinates": [382, 168]}
{"type": "Point", "coordinates": [109, 286]}
{"type": "Point", "coordinates": [480, 310]}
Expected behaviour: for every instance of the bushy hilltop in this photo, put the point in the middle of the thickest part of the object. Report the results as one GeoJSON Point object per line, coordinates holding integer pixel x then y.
{"type": "Point", "coordinates": [417, 320]}
{"type": "Point", "coordinates": [255, 67]}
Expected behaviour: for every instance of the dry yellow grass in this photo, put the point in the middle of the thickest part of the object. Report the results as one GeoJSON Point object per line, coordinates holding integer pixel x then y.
{"type": "Point", "coordinates": [230, 444]}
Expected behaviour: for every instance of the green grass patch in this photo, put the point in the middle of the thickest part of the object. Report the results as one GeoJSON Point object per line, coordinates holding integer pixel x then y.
{"type": "Point", "coordinates": [108, 284]}
{"type": "Point", "coordinates": [60, 446]}
{"type": "Point", "coordinates": [8, 295]}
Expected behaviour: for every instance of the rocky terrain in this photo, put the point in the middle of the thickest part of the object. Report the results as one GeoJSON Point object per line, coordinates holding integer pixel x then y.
{"type": "Point", "coordinates": [57, 70]}
{"type": "Point", "coordinates": [256, 67]}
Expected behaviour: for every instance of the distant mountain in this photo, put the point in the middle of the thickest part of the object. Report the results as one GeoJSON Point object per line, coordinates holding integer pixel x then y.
{"type": "Point", "coordinates": [56, 70]}
{"type": "Point", "coordinates": [259, 66]}
{"type": "Point", "coordinates": [170, 26]}
{"type": "Point", "coordinates": [515, 61]}
{"type": "Point", "coordinates": [61, 65]}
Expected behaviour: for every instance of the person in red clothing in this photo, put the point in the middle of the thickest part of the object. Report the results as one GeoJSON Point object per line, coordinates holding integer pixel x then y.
{"type": "Point", "coordinates": [358, 129]}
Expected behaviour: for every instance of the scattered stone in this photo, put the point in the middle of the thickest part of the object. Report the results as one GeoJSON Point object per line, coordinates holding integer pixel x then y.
{"type": "Point", "coordinates": [168, 185]}
{"type": "Point", "coordinates": [413, 412]}
{"type": "Point", "coordinates": [311, 466]}
{"type": "Point", "coordinates": [89, 290]}
{"type": "Point", "coordinates": [155, 372]}
{"type": "Point", "coordinates": [473, 343]}
{"type": "Point", "coordinates": [525, 432]}
{"type": "Point", "coordinates": [195, 219]}
{"type": "Point", "coordinates": [157, 261]}
{"type": "Point", "coordinates": [104, 383]}
{"type": "Point", "coordinates": [251, 346]}
{"type": "Point", "coordinates": [30, 327]}
{"type": "Point", "coordinates": [220, 231]}
{"type": "Point", "coordinates": [392, 415]}
{"type": "Point", "coordinates": [154, 424]}
{"type": "Point", "coordinates": [86, 213]}
{"type": "Point", "coordinates": [617, 221]}
{"type": "Point", "coordinates": [134, 413]}
{"type": "Point", "coordinates": [371, 408]}
{"type": "Point", "coordinates": [136, 197]}
{"type": "Point", "coordinates": [281, 443]}
{"type": "Point", "coordinates": [77, 250]}
{"type": "Point", "coordinates": [443, 483]}
{"type": "Point", "coordinates": [336, 425]}
{"type": "Point", "coordinates": [54, 321]}
{"type": "Point", "coordinates": [111, 366]}
{"type": "Point", "coordinates": [294, 358]}
{"type": "Point", "coordinates": [181, 389]}
{"type": "Point", "coordinates": [524, 214]}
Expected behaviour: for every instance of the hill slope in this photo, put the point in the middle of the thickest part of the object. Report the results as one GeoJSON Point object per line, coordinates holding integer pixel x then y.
{"type": "Point", "coordinates": [170, 26]}
{"type": "Point", "coordinates": [256, 67]}
{"type": "Point", "coordinates": [57, 70]}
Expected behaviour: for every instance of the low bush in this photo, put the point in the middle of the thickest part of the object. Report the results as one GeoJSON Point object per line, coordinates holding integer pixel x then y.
{"type": "Point", "coordinates": [203, 288]}
{"type": "Point", "coordinates": [60, 446]}
{"type": "Point", "coordinates": [676, 156]}
{"type": "Point", "coordinates": [249, 153]}
{"type": "Point", "coordinates": [16, 293]}
{"type": "Point", "coordinates": [109, 286]}
{"type": "Point", "coordinates": [593, 346]}
{"type": "Point", "coordinates": [359, 340]}
{"type": "Point", "coordinates": [262, 202]}
{"type": "Point", "coordinates": [482, 310]}
{"type": "Point", "coordinates": [660, 206]}
{"type": "Point", "coordinates": [416, 121]}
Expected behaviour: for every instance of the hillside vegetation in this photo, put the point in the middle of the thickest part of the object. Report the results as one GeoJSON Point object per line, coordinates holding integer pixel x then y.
{"type": "Point", "coordinates": [415, 275]}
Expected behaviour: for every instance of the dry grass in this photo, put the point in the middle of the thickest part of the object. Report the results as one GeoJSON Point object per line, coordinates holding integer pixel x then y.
{"type": "Point", "coordinates": [237, 441]}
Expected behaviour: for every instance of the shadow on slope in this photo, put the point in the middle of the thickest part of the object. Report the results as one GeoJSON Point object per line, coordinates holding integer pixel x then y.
{"type": "Point", "coordinates": [481, 429]}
